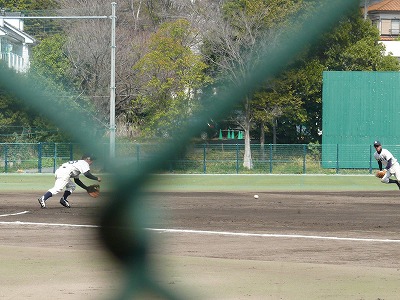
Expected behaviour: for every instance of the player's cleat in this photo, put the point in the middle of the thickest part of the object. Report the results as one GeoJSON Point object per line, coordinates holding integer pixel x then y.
{"type": "Point", "coordinates": [42, 202]}
{"type": "Point", "coordinates": [64, 202]}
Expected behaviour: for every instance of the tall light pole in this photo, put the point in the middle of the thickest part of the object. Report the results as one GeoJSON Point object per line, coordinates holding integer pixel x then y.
{"type": "Point", "coordinates": [112, 83]}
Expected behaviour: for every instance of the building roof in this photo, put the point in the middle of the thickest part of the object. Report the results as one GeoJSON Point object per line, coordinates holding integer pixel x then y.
{"type": "Point", "coordinates": [11, 34]}
{"type": "Point", "coordinates": [385, 5]}
{"type": "Point", "coordinates": [18, 34]}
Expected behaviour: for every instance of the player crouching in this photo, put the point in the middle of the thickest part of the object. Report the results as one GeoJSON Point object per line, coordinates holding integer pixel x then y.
{"type": "Point", "coordinates": [63, 175]}
{"type": "Point", "coordinates": [392, 167]}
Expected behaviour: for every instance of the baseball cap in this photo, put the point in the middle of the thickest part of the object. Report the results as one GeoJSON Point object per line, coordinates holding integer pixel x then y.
{"type": "Point", "coordinates": [377, 143]}
{"type": "Point", "coordinates": [88, 156]}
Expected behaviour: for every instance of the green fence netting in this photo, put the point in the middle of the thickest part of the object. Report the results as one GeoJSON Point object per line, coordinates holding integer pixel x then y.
{"type": "Point", "coordinates": [123, 221]}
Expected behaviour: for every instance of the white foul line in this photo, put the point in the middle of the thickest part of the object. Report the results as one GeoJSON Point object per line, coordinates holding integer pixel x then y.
{"type": "Point", "coordinates": [15, 214]}
{"type": "Point", "coordinates": [272, 235]}
{"type": "Point", "coordinates": [206, 232]}
{"type": "Point", "coordinates": [48, 224]}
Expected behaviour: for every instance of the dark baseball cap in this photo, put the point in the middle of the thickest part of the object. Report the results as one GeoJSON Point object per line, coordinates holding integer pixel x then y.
{"type": "Point", "coordinates": [377, 143]}
{"type": "Point", "coordinates": [88, 156]}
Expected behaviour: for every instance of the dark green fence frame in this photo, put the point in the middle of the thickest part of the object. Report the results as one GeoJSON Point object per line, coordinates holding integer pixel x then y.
{"type": "Point", "coordinates": [35, 157]}
{"type": "Point", "coordinates": [211, 158]}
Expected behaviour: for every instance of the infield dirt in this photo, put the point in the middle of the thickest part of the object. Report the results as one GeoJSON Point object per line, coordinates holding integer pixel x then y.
{"type": "Point", "coordinates": [302, 245]}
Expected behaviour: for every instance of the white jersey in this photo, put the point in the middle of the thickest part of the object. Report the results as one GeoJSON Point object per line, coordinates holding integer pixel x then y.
{"type": "Point", "coordinates": [76, 167]}
{"type": "Point", "coordinates": [384, 157]}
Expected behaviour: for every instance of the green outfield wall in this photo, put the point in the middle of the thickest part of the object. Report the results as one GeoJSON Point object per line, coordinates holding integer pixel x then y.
{"type": "Point", "coordinates": [358, 108]}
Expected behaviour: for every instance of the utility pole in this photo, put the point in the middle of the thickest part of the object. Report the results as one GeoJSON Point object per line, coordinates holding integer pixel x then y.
{"type": "Point", "coordinates": [365, 9]}
{"type": "Point", "coordinates": [112, 83]}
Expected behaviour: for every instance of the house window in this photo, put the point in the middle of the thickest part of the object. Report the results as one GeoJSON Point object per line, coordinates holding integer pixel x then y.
{"type": "Point", "coordinates": [395, 27]}
{"type": "Point", "coordinates": [386, 26]}
{"type": "Point", "coordinates": [390, 27]}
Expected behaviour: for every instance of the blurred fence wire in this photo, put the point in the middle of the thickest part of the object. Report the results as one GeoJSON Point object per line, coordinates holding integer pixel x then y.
{"type": "Point", "coordinates": [124, 218]}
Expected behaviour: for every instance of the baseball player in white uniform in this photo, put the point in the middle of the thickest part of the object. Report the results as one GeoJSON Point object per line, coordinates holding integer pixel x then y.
{"type": "Point", "coordinates": [63, 175]}
{"type": "Point", "coordinates": [385, 158]}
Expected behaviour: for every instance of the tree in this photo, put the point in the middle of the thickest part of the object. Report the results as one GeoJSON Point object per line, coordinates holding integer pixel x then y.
{"type": "Point", "coordinates": [169, 76]}
{"type": "Point", "coordinates": [51, 63]}
{"type": "Point", "coordinates": [304, 119]}
{"type": "Point", "coordinates": [20, 5]}
{"type": "Point", "coordinates": [12, 116]}
{"type": "Point", "coordinates": [20, 123]}
{"type": "Point", "coordinates": [35, 27]}
{"type": "Point", "coordinates": [15, 116]}
{"type": "Point", "coordinates": [50, 59]}
{"type": "Point", "coordinates": [242, 33]}
{"type": "Point", "coordinates": [89, 50]}
{"type": "Point", "coordinates": [351, 46]}
{"type": "Point", "coordinates": [273, 102]}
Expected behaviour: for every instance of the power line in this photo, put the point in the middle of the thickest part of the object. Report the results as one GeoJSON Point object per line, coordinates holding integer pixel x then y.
{"type": "Point", "coordinates": [55, 17]}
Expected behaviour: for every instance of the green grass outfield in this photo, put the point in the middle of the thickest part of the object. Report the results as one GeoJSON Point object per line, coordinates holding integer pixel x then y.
{"type": "Point", "coordinates": [224, 183]}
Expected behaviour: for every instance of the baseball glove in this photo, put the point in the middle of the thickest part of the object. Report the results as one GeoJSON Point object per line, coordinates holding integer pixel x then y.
{"type": "Point", "coordinates": [93, 190]}
{"type": "Point", "coordinates": [380, 174]}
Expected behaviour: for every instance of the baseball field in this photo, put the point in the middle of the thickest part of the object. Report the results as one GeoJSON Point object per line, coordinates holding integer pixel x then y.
{"type": "Point", "coordinates": [305, 237]}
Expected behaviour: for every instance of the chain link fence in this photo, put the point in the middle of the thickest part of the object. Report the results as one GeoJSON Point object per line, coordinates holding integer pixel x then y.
{"type": "Point", "coordinates": [218, 158]}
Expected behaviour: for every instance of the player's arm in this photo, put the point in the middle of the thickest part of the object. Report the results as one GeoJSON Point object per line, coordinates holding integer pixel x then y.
{"type": "Point", "coordinates": [91, 176]}
{"type": "Point", "coordinates": [380, 165]}
{"type": "Point", "coordinates": [80, 183]}
{"type": "Point", "coordinates": [389, 164]}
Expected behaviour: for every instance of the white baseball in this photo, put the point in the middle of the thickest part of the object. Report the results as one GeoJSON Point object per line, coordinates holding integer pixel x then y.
{"type": "Point", "coordinates": [255, 196]}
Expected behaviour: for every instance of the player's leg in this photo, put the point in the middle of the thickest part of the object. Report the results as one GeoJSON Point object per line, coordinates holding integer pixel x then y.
{"type": "Point", "coordinates": [397, 175]}
{"type": "Point", "coordinates": [387, 179]}
{"type": "Point", "coordinates": [59, 184]}
{"type": "Point", "coordinates": [394, 181]}
{"type": "Point", "coordinates": [69, 188]}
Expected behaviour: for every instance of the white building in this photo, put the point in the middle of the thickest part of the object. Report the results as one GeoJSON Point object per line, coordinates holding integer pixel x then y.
{"type": "Point", "coordinates": [15, 44]}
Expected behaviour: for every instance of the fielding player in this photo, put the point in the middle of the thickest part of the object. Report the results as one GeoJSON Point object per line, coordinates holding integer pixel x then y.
{"type": "Point", "coordinates": [392, 167]}
{"type": "Point", "coordinates": [63, 175]}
